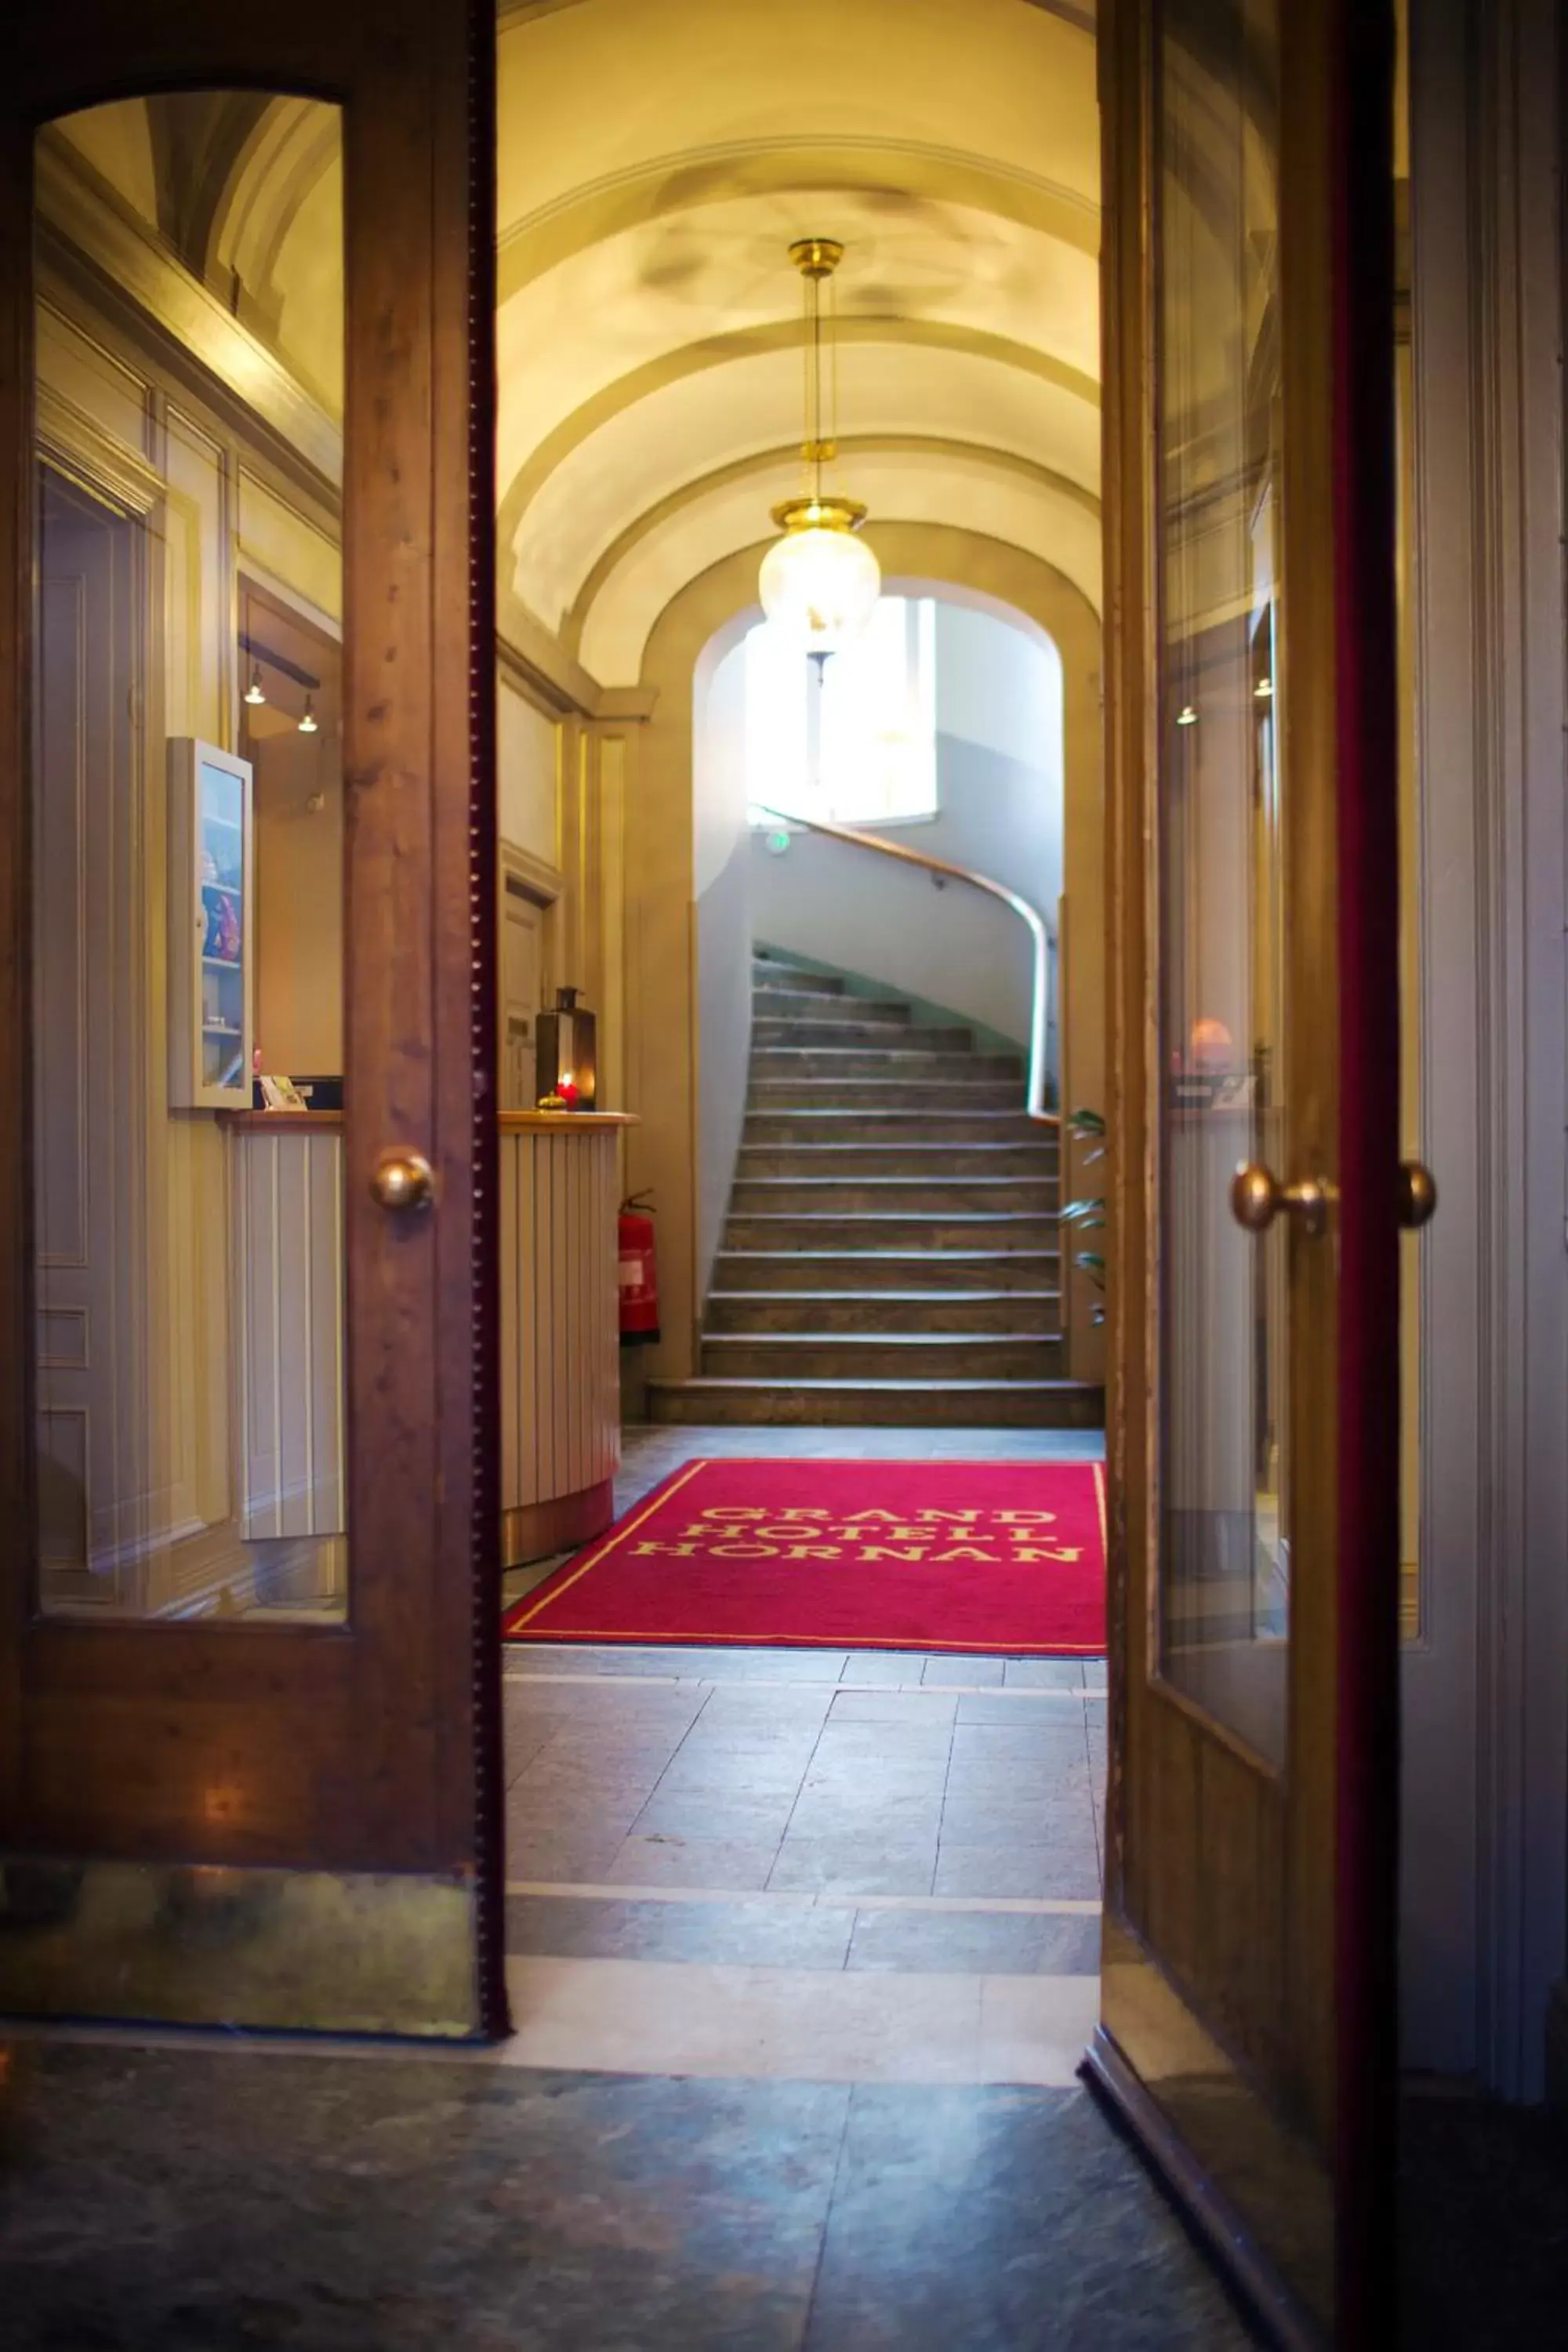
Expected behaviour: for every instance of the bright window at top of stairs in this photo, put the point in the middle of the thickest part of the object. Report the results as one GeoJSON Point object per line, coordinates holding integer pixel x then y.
{"type": "Point", "coordinates": [851, 741]}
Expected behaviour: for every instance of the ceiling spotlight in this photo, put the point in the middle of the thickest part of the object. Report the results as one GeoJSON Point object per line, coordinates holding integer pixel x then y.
{"type": "Point", "coordinates": [308, 721]}
{"type": "Point", "coordinates": [819, 582]}
{"type": "Point", "coordinates": [255, 692]}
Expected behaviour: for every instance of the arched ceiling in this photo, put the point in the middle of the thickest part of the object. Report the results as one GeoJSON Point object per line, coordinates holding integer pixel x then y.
{"type": "Point", "coordinates": [245, 191]}
{"type": "Point", "coordinates": [656, 159]}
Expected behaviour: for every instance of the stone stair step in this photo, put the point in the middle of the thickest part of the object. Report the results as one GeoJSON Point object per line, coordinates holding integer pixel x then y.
{"type": "Point", "coordinates": [882, 1356]}
{"type": "Point", "coordinates": [961, 1272]}
{"type": "Point", "coordinates": [886, 1195]}
{"type": "Point", "coordinates": [801, 1004]}
{"type": "Point", "coordinates": [898, 1157]}
{"type": "Point", "coordinates": [769, 1061]}
{"type": "Point", "coordinates": [788, 975]}
{"type": "Point", "coordinates": [946, 1091]}
{"type": "Point", "coordinates": [866, 1312]}
{"type": "Point", "coordinates": [879, 1404]}
{"type": "Point", "coordinates": [998, 1232]}
{"type": "Point", "coordinates": [852, 1034]}
{"type": "Point", "coordinates": [877, 1128]}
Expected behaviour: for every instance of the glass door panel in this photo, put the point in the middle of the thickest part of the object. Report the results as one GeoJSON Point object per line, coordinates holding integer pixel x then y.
{"type": "Point", "coordinates": [1224, 1601]}
{"type": "Point", "coordinates": [189, 1261]}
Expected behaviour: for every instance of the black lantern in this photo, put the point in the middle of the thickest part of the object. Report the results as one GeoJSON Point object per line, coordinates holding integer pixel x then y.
{"type": "Point", "coordinates": [564, 1065]}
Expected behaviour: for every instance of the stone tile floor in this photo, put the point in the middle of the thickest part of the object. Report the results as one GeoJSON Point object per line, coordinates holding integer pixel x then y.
{"type": "Point", "coordinates": [802, 1954]}
{"type": "Point", "coordinates": [203, 2199]}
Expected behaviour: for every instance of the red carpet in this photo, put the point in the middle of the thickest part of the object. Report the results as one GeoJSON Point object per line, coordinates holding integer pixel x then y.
{"type": "Point", "coordinates": [987, 1556]}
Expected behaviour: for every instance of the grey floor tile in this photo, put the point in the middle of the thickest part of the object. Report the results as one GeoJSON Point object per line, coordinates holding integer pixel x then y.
{"type": "Point", "coordinates": [1044, 1674]}
{"type": "Point", "coordinates": [884, 1743]}
{"type": "Point", "coordinates": [989, 2220]}
{"type": "Point", "coordinates": [872, 1789]}
{"type": "Point", "coordinates": [547, 1859]}
{"type": "Point", "coordinates": [854, 1865]}
{"type": "Point", "coordinates": [1019, 1727]}
{"type": "Point", "coordinates": [950, 1673]}
{"type": "Point", "coordinates": [740, 1865]}
{"type": "Point", "coordinates": [868, 1667]}
{"type": "Point", "coordinates": [918, 1709]}
{"type": "Point", "coordinates": [943, 1943]}
{"type": "Point", "coordinates": [970, 1821]}
{"type": "Point", "coordinates": [747, 1819]}
{"type": "Point", "coordinates": [739, 1934]}
{"type": "Point", "coordinates": [1064, 1868]}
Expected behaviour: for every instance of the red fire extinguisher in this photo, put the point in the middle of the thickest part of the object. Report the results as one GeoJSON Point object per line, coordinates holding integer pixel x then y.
{"type": "Point", "coordinates": [638, 1273]}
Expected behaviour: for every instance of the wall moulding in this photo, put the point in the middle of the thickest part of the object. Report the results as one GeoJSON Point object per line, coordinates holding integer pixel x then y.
{"type": "Point", "coordinates": [77, 446]}
{"type": "Point", "coordinates": [91, 248]}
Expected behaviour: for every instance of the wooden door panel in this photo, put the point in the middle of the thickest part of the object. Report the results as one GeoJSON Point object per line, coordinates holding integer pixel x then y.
{"type": "Point", "coordinates": [368, 1749]}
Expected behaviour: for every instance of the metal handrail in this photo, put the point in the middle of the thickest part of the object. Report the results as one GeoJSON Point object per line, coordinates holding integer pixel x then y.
{"type": "Point", "coordinates": [1039, 1005]}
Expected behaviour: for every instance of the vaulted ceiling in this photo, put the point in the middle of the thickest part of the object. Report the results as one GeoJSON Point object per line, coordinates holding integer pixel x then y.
{"type": "Point", "coordinates": [656, 159]}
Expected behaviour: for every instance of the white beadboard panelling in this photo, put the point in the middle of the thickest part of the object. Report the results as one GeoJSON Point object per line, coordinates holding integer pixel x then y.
{"type": "Point", "coordinates": [560, 1336]}
{"type": "Point", "coordinates": [289, 1224]}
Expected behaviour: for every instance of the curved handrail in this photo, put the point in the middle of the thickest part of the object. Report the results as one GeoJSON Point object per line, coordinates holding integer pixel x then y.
{"type": "Point", "coordinates": [1035, 1104]}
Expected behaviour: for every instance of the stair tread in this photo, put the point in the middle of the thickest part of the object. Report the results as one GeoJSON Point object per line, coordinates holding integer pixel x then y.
{"type": "Point", "coordinates": [882, 1297]}
{"type": "Point", "coordinates": [878, 1110]}
{"type": "Point", "coordinates": [858, 1381]}
{"type": "Point", "coordinates": [958, 1150]}
{"type": "Point", "coordinates": [877, 1339]}
{"type": "Point", "coordinates": [888, 1216]}
{"type": "Point", "coordinates": [986, 1183]}
{"type": "Point", "coordinates": [877, 1256]}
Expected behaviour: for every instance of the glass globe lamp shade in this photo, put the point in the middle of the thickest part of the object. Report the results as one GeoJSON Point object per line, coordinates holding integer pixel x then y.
{"type": "Point", "coordinates": [820, 584]}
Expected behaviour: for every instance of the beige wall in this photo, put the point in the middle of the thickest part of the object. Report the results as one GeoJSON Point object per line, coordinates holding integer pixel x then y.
{"type": "Point", "coordinates": [299, 905]}
{"type": "Point", "coordinates": [528, 751]}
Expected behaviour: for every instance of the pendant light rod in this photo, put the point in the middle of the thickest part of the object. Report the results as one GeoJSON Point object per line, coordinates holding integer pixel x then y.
{"type": "Point", "coordinates": [816, 258]}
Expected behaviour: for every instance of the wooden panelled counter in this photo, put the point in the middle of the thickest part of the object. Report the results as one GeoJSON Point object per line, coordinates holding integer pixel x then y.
{"type": "Point", "coordinates": [560, 1328]}
{"type": "Point", "coordinates": [559, 1309]}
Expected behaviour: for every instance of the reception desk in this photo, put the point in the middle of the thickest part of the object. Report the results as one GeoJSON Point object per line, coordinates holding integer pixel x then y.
{"type": "Point", "coordinates": [559, 1340]}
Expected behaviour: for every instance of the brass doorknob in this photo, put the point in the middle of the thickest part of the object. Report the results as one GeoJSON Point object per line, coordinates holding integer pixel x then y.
{"type": "Point", "coordinates": [403, 1180]}
{"type": "Point", "coordinates": [1417, 1194]}
{"type": "Point", "coordinates": [1256, 1200]}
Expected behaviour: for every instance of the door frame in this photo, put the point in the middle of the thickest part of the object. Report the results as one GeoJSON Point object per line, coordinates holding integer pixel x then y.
{"type": "Point", "coordinates": [351, 1772]}
{"type": "Point", "coordinates": [1485, 1703]}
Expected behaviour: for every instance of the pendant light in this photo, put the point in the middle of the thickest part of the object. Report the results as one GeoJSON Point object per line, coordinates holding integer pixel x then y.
{"type": "Point", "coordinates": [255, 692]}
{"type": "Point", "coordinates": [818, 582]}
{"type": "Point", "coordinates": [308, 718]}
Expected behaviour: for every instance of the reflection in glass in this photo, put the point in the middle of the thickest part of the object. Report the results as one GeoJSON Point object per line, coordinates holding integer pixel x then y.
{"type": "Point", "coordinates": [1225, 1543]}
{"type": "Point", "coordinates": [187, 862]}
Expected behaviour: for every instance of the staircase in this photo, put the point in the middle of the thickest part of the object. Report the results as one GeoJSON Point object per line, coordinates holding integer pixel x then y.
{"type": "Point", "coordinates": [891, 1255]}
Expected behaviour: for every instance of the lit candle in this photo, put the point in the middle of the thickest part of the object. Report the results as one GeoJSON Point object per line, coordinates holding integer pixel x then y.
{"type": "Point", "coordinates": [567, 1088]}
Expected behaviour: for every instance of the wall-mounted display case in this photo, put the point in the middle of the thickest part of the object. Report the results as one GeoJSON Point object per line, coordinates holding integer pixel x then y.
{"type": "Point", "coordinates": [211, 892]}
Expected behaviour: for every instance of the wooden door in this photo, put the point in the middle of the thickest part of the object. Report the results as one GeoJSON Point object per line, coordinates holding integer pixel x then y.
{"type": "Point", "coordinates": [522, 955]}
{"type": "Point", "coordinates": [270, 1813]}
{"type": "Point", "coordinates": [1247, 2021]}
